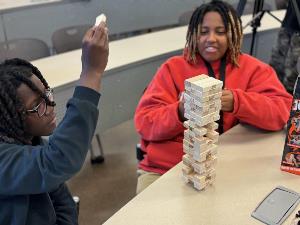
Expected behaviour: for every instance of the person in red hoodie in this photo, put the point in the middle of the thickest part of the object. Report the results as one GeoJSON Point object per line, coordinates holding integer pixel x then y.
{"type": "Point", "coordinates": [251, 93]}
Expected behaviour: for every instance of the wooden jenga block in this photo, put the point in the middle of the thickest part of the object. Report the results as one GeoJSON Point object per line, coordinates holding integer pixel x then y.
{"type": "Point", "coordinates": [201, 156]}
{"type": "Point", "coordinates": [202, 100]}
{"type": "Point", "coordinates": [199, 131]}
{"type": "Point", "coordinates": [201, 121]}
{"type": "Point", "coordinates": [200, 146]}
{"type": "Point", "coordinates": [187, 160]}
{"type": "Point", "coordinates": [186, 135]}
{"type": "Point", "coordinates": [207, 84]}
{"type": "Point", "coordinates": [216, 117]}
{"type": "Point", "coordinates": [212, 126]}
{"type": "Point", "coordinates": [202, 181]}
{"type": "Point", "coordinates": [186, 124]}
{"type": "Point", "coordinates": [205, 166]}
{"type": "Point", "coordinates": [201, 111]}
{"type": "Point", "coordinates": [187, 169]}
{"type": "Point", "coordinates": [214, 135]}
{"type": "Point", "coordinates": [187, 148]}
{"type": "Point", "coordinates": [185, 178]}
{"type": "Point", "coordinates": [193, 93]}
{"type": "Point", "coordinates": [188, 82]}
{"type": "Point", "coordinates": [199, 96]}
{"type": "Point", "coordinates": [190, 105]}
{"type": "Point", "coordinates": [199, 182]}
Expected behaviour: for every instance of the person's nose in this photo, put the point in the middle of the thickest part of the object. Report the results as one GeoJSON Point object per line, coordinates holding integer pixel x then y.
{"type": "Point", "coordinates": [211, 37]}
{"type": "Point", "coordinates": [49, 110]}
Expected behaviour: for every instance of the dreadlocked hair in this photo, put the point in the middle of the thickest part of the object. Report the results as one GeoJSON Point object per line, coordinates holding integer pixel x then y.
{"type": "Point", "coordinates": [233, 26]}
{"type": "Point", "coordinates": [13, 73]}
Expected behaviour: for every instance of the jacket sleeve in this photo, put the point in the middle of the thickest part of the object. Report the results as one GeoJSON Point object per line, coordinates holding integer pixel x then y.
{"type": "Point", "coordinates": [64, 206]}
{"type": "Point", "coordinates": [27, 169]}
{"type": "Point", "coordinates": [265, 104]}
{"type": "Point", "coordinates": [156, 117]}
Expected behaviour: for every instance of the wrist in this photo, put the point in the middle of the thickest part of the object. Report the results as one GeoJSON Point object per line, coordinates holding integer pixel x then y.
{"type": "Point", "coordinates": [91, 80]}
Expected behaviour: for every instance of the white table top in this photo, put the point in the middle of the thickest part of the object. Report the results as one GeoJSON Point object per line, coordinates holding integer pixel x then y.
{"type": "Point", "coordinates": [65, 68]}
{"type": "Point", "coordinates": [247, 170]}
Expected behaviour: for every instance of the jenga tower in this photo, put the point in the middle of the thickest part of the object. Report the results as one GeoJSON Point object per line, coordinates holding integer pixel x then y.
{"type": "Point", "coordinates": [202, 106]}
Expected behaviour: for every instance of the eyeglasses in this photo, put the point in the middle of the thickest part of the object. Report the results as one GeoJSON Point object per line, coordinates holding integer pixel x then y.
{"type": "Point", "coordinates": [41, 108]}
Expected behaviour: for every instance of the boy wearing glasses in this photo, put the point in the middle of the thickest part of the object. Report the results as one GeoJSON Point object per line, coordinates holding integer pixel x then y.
{"type": "Point", "coordinates": [32, 176]}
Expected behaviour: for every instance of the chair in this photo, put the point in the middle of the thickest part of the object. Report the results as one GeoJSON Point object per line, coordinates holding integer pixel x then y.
{"type": "Point", "coordinates": [249, 7]}
{"type": "Point", "coordinates": [185, 17]}
{"type": "Point", "coordinates": [298, 65]}
{"type": "Point", "coordinates": [281, 4]}
{"type": "Point", "coordinates": [68, 38]}
{"type": "Point", "coordinates": [140, 154]}
{"type": "Point", "coordinates": [97, 156]}
{"type": "Point", "coordinates": [28, 49]}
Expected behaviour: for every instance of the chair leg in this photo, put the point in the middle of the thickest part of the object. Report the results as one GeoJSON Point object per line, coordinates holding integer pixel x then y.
{"type": "Point", "coordinates": [97, 157]}
{"type": "Point", "coordinates": [77, 201]}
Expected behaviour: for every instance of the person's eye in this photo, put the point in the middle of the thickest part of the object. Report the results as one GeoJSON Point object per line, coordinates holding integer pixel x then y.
{"type": "Point", "coordinates": [203, 32]}
{"type": "Point", "coordinates": [221, 32]}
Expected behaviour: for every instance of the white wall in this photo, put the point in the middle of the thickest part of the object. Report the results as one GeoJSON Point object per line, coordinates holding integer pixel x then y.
{"type": "Point", "coordinates": [123, 15]}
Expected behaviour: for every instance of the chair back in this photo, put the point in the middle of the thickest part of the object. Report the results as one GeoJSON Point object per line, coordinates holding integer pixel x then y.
{"type": "Point", "coordinates": [28, 49]}
{"type": "Point", "coordinates": [185, 17]}
{"type": "Point", "coordinates": [68, 38]}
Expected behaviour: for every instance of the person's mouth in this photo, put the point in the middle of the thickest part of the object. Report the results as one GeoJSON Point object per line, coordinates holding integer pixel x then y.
{"type": "Point", "coordinates": [211, 49]}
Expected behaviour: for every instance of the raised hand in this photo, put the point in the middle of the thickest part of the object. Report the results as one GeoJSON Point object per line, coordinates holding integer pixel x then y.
{"type": "Point", "coordinates": [94, 56]}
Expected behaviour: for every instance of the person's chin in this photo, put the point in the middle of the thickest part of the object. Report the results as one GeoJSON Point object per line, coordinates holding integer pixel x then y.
{"type": "Point", "coordinates": [52, 123]}
{"type": "Point", "coordinates": [211, 60]}
{"type": "Point", "coordinates": [211, 57]}
{"type": "Point", "coordinates": [51, 127]}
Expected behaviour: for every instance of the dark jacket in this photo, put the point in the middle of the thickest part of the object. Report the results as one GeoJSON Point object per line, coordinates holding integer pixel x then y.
{"type": "Point", "coordinates": [32, 189]}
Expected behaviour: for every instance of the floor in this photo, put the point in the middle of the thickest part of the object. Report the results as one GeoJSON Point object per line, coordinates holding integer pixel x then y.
{"type": "Point", "coordinates": [104, 188]}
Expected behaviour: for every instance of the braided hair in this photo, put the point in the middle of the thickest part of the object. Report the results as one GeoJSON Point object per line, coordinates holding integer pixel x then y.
{"type": "Point", "coordinates": [233, 26]}
{"type": "Point", "coordinates": [13, 73]}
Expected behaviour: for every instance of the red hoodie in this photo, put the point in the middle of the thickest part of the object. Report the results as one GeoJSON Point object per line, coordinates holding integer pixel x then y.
{"type": "Point", "coordinates": [259, 100]}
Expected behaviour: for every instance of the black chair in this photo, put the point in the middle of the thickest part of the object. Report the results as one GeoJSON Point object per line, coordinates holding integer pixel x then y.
{"type": "Point", "coordinates": [139, 152]}
{"type": "Point", "coordinates": [68, 38]}
{"type": "Point", "coordinates": [27, 48]}
{"type": "Point", "coordinates": [77, 201]}
{"type": "Point", "coordinates": [185, 17]}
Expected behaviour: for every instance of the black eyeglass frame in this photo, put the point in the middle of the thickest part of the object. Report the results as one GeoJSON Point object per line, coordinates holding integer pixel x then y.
{"type": "Point", "coordinates": [48, 93]}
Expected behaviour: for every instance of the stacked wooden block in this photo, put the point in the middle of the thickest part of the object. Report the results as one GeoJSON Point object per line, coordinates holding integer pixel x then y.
{"type": "Point", "coordinates": [202, 105]}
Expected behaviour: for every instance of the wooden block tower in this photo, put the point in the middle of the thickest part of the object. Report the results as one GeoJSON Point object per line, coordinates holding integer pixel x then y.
{"type": "Point", "coordinates": [202, 105]}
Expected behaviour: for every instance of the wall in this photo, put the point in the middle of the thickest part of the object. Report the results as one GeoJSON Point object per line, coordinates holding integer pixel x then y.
{"type": "Point", "coordinates": [123, 16]}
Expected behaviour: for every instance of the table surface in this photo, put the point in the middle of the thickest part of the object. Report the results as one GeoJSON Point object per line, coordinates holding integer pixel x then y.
{"type": "Point", "coordinates": [247, 170]}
